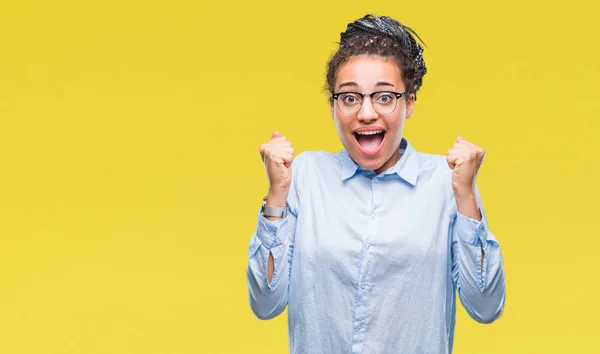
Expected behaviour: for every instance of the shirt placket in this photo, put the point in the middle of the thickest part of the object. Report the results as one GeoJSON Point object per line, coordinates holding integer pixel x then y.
{"type": "Point", "coordinates": [370, 228]}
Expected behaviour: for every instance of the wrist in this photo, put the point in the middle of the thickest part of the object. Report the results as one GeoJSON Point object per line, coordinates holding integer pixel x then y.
{"type": "Point", "coordinates": [277, 198]}
{"type": "Point", "coordinates": [464, 193]}
{"type": "Point", "coordinates": [274, 207]}
{"type": "Point", "coordinates": [466, 204]}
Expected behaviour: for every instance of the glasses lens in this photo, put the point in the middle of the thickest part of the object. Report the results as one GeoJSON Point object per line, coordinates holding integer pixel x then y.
{"type": "Point", "coordinates": [349, 102]}
{"type": "Point", "coordinates": [385, 102]}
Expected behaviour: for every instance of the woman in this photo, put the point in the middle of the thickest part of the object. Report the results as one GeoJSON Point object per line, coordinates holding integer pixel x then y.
{"type": "Point", "coordinates": [368, 247]}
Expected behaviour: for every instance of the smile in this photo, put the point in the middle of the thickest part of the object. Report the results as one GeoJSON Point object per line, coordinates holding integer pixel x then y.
{"type": "Point", "coordinates": [370, 142]}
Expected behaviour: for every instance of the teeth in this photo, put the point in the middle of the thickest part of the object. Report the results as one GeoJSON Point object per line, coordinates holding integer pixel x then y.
{"type": "Point", "coordinates": [372, 132]}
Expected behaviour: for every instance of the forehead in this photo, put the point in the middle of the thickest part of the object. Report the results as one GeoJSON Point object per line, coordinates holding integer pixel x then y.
{"type": "Point", "coordinates": [367, 71]}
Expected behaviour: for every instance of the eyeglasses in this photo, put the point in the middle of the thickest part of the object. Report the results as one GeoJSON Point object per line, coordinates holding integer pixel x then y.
{"type": "Point", "coordinates": [384, 102]}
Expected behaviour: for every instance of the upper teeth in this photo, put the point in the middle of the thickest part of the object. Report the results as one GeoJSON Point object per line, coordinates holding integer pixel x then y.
{"type": "Point", "coordinates": [370, 132]}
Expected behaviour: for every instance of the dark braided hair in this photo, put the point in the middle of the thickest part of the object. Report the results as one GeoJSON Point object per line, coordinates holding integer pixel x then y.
{"type": "Point", "coordinates": [385, 37]}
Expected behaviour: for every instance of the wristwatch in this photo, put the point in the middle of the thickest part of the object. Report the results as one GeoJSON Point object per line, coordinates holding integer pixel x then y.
{"type": "Point", "coordinates": [266, 210]}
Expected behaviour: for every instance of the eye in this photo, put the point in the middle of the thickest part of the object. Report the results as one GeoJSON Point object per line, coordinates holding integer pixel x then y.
{"type": "Point", "coordinates": [385, 98]}
{"type": "Point", "coordinates": [350, 99]}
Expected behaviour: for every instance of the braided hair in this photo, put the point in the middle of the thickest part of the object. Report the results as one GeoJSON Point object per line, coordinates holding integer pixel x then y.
{"type": "Point", "coordinates": [385, 37]}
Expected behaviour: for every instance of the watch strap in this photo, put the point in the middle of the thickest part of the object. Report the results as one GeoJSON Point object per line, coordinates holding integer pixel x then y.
{"type": "Point", "coordinates": [267, 210]}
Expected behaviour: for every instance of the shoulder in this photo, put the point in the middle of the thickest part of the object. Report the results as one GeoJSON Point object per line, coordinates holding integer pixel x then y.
{"type": "Point", "coordinates": [310, 165]}
{"type": "Point", "coordinates": [432, 162]}
{"type": "Point", "coordinates": [434, 168]}
{"type": "Point", "coordinates": [316, 159]}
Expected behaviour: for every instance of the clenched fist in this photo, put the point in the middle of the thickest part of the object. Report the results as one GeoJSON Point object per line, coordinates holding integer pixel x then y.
{"type": "Point", "coordinates": [464, 159]}
{"type": "Point", "coordinates": [277, 155]}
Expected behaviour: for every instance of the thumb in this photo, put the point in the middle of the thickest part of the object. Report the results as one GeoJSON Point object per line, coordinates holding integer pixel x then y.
{"type": "Point", "coordinates": [451, 162]}
{"type": "Point", "coordinates": [275, 134]}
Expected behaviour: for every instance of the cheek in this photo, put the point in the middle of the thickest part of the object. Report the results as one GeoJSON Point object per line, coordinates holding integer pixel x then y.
{"type": "Point", "coordinates": [342, 121]}
{"type": "Point", "coordinates": [396, 128]}
{"type": "Point", "coordinates": [397, 121]}
{"type": "Point", "coordinates": [338, 124]}
{"type": "Point", "coordinates": [400, 116]}
{"type": "Point", "coordinates": [402, 109]}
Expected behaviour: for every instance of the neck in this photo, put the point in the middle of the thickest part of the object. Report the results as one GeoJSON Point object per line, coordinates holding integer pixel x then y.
{"type": "Point", "coordinates": [390, 162]}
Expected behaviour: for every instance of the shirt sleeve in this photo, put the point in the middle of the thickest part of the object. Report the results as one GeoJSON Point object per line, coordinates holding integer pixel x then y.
{"type": "Point", "coordinates": [269, 299]}
{"type": "Point", "coordinates": [481, 285]}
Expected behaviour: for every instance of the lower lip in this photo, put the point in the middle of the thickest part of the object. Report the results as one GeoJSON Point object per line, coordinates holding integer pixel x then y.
{"type": "Point", "coordinates": [370, 153]}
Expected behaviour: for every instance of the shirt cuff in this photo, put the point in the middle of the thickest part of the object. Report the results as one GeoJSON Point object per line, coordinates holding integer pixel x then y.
{"type": "Point", "coordinates": [268, 232]}
{"type": "Point", "coordinates": [471, 231]}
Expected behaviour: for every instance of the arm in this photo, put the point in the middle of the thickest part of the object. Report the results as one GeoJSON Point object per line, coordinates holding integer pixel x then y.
{"type": "Point", "coordinates": [269, 263]}
{"type": "Point", "coordinates": [271, 250]}
{"type": "Point", "coordinates": [477, 269]}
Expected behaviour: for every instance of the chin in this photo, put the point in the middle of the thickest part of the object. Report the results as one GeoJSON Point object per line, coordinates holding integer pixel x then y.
{"type": "Point", "coordinates": [369, 163]}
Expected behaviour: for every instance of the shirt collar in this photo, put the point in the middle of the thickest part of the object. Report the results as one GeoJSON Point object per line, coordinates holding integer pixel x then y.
{"type": "Point", "coordinates": [406, 168]}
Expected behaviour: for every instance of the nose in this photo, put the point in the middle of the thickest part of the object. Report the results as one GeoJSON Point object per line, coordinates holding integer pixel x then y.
{"type": "Point", "coordinates": [367, 113]}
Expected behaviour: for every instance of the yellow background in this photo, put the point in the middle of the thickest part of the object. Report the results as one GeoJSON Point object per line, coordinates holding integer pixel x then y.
{"type": "Point", "coordinates": [130, 177]}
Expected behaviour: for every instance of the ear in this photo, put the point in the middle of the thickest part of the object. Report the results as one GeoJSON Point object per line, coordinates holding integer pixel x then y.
{"type": "Point", "coordinates": [331, 107]}
{"type": "Point", "coordinates": [410, 105]}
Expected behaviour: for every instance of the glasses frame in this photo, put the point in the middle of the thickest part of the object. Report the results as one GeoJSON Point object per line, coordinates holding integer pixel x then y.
{"type": "Point", "coordinates": [398, 95]}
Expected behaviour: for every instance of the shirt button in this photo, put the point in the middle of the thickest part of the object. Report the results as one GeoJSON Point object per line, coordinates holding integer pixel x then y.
{"type": "Point", "coordinates": [363, 286]}
{"type": "Point", "coordinates": [375, 180]}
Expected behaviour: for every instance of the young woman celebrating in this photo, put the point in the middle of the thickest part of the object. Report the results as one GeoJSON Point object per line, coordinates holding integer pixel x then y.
{"type": "Point", "coordinates": [368, 247]}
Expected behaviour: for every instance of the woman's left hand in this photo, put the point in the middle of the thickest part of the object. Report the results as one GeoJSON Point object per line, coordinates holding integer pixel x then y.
{"type": "Point", "coordinates": [464, 159]}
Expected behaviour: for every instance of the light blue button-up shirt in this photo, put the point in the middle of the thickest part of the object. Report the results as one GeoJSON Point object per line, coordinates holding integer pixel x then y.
{"type": "Point", "coordinates": [372, 263]}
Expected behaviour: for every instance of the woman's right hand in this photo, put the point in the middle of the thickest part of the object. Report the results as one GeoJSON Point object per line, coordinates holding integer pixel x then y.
{"type": "Point", "coordinates": [277, 155]}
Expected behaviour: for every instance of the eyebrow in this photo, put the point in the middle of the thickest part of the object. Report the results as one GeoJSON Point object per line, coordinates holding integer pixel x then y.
{"type": "Point", "coordinates": [352, 83]}
{"type": "Point", "coordinates": [383, 83]}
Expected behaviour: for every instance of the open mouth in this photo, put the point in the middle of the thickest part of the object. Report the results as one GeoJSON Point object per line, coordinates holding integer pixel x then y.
{"type": "Point", "coordinates": [370, 140]}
